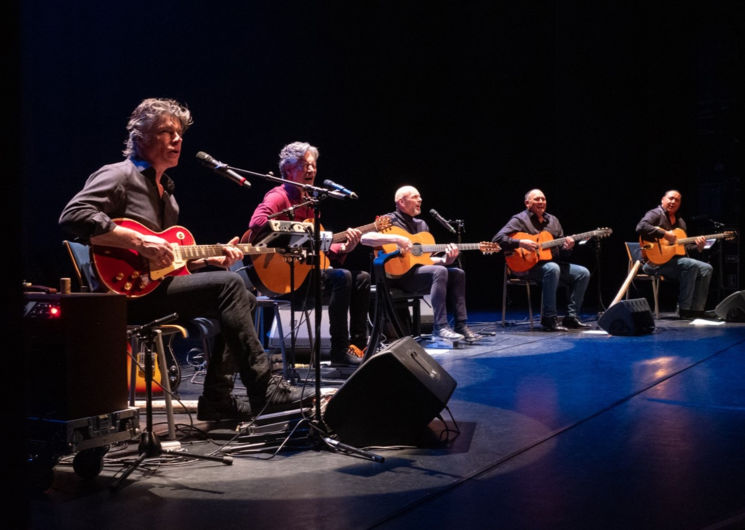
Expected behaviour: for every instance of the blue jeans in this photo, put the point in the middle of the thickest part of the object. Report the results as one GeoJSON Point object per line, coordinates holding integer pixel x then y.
{"type": "Point", "coordinates": [223, 296]}
{"type": "Point", "coordinates": [551, 274]}
{"type": "Point", "coordinates": [693, 278]}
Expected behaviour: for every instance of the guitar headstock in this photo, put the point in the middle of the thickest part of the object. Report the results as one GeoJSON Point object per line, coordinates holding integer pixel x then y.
{"type": "Point", "coordinates": [489, 247]}
{"type": "Point", "coordinates": [730, 234]}
{"type": "Point", "coordinates": [382, 223]}
{"type": "Point", "coordinates": [603, 232]}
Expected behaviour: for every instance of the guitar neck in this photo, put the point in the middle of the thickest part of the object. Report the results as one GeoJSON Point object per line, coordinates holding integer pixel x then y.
{"type": "Point", "coordinates": [689, 240]}
{"type": "Point", "coordinates": [342, 236]}
{"type": "Point", "coordinates": [443, 247]}
{"type": "Point", "coordinates": [189, 252]}
{"type": "Point", "coordinates": [576, 237]}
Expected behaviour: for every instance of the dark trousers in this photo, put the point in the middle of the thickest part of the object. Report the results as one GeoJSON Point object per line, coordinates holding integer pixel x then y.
{"type": "Point", "coordinates": [220, 295]}
{"type": "Point", "coordinates": [349, 303]}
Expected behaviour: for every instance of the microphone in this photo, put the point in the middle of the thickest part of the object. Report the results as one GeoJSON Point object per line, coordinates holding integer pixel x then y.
{"type": "Point", "coordinates": [222, 169]}
{"type": "Point", "coordinates": [441, 220]}
{"type": "Point", "coordinates": [341, 189]}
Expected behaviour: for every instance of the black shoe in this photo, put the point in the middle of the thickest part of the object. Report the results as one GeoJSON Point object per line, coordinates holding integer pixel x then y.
{"type": "Point", "coordinates": [710, 315]}
{"type": "Point", "coordinates": [571, 322]}
{"type": "Point", "coordinates": [279, 395]}
{"type": "Point", "coordinates": [226, 408]}
{"type": "Point", "coordinates": [687, 314]}
{"type": "Point", "coordinates": [468, 335]}
{"type": "Point", "coordinates": [347, 358]}
{"type": "Point", "coordinates": [552, 324]}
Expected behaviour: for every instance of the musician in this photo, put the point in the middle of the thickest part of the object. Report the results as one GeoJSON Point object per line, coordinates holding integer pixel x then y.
{"type": "Point", "coordinates": [693, 275]}
{"type": "Point", "coordinates": [446, 284]}
{"type": "Point", "coordinates": [138, 188]}
{"type": "Point", "coordinates": [349, 290]}
{"type": "Point", "coordinates": [551, 273]}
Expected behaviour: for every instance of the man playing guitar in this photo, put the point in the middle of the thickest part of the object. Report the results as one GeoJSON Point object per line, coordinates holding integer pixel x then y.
{"type": "Point", "coordinates": [693, 276]}
{"type": "Point", "coordinates": [445, 283]}
{"type": "Point", "coordinates": [139, 189]}
{"type": "Point", "coordinates": [550, 272]}
{"type": "Point", "coordinates": [349, 290]}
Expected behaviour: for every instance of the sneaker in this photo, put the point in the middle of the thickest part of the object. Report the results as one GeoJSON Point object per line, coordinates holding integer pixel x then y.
{"type": "Point", "coordinates": [447, 334]}
{"type": "Point", "coordinates": [351, 357]}
{"type": "Point", "coordinates": [226, 408]}
{"type": "Point", "coordinates": [470, 336]}
{"type": "Point", "coordinates": [279, 395]}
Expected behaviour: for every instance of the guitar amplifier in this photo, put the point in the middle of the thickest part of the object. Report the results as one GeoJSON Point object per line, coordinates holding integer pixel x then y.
{"type": "Point", "coordinates": [74, 354]}
{"type": "Point", "coordinates": [285, 234]}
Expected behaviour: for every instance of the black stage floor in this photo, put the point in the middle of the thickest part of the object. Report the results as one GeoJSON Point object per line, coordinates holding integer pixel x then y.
{"type": "Point", "coordinates": [558, 430]}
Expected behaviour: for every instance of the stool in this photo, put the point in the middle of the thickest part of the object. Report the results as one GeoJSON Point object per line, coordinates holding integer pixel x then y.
{"type": "Point", "coordinates": [160, 331]}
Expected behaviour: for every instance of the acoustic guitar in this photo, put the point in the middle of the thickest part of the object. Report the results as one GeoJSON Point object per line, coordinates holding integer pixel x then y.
{"type": "Point", "coordinates": [125, 271]}
{"type": "Point", "coordinates": [521, 260]}
{"type": "Point", "coordinates": [660, 251]}
{"type": "Point", "coordinates": [278, 274]}
{"type": "Point", "coordinates": [423, 246]}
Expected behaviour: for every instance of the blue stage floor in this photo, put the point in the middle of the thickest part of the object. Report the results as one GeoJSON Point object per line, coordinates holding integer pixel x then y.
{"type": "Point", "coordinates": [558, 430]}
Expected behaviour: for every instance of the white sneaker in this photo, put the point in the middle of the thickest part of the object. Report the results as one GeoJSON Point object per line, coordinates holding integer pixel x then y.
{"type": "Point", "coordinates": [448, 334]}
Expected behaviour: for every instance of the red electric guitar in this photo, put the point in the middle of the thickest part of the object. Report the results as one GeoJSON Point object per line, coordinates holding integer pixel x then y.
{"type": "Point", "coordinates": [126, 272]}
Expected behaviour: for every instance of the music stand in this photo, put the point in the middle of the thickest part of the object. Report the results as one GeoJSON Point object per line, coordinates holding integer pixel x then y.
{"type": "Point", "coordinates": [150, 446]}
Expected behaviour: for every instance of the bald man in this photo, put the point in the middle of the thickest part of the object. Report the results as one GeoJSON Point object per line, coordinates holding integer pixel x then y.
{"type": "Point", "coordinates": [550, 273]}
{"type": "Point", "coordinates": [445, 283]}
{"type": "Point", "coordinates": [693, 276]}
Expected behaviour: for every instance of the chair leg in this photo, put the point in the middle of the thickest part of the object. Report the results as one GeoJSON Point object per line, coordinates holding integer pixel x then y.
{"type": "Point", "coordinates": [504, 298]}
{"type": "Point", "coordinates": [166, 384]}
{"type": "Point", "coordinates": [530, 305]}
{"type": "Point", "coordinates": [281, 334]}
{"type": "Point", "coordinates": [656, 296]}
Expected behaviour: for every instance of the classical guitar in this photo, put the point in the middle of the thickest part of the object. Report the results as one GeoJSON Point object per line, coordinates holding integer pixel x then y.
{"type": "Point", "coordinates": [422, 249]}
{"type": "Point", "coordinates": [126, 272]}
{"type": "Point", "coordinates": [275, 275]}
{"type": "Point", "coordinates": [521, 260]}
{"type": "Point", "coordinates": [660, 251]}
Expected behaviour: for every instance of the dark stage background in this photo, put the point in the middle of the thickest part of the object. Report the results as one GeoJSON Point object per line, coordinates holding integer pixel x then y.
{"type": "Point", "coordinates": [603, 105]}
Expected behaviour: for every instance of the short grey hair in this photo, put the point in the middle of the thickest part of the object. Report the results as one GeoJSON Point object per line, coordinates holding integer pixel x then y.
{"type": "Point", "coordinates": [292, 154]}
{"type": "Point", "coordinates": [146, 115]}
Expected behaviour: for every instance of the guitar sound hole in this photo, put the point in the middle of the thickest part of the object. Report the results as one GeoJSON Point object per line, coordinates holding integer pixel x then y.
{"type": "Point", "coordinates": [416, 250]}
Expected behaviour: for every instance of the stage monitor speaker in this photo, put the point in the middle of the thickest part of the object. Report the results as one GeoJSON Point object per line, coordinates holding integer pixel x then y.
{"type": "Point", "coordinates": [391, 398]}
{"type": "Point", "coordinates": [628, 317]}
{"type": "Point", "coordinates": [74, 355]}
{"type": "Point", "coordinates": [732, 308]}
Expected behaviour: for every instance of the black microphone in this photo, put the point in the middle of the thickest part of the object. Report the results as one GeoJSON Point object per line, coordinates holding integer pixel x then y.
{"type": "Point", "coordinates": [341, 189]}
{"type": "Point", "coordinates": [441, 220]}
{"type": "Point", "coordinates": [222, 169]}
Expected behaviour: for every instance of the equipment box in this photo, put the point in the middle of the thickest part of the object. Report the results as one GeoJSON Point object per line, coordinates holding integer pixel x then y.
{"type": "Point", "coordinates": [89, 438]}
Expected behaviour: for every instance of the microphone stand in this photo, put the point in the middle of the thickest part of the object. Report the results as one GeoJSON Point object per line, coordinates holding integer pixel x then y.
{"type": "Point", "coordinates": [459, 231]}
{"type": "Point", "coordinates": [317, 426]}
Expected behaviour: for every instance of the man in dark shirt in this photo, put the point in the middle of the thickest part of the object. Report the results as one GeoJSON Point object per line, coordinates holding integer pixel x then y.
{"type": "Point", "coordinates": [349, 291]}
{"type": "Point", "coordinates": [445, 283]}
{"type": "Point", "coordinates": [693, 276]}
{"type": "Point", "coordinates": [550, 273]}
{"type": "Point", "coordinates": [138, 188]}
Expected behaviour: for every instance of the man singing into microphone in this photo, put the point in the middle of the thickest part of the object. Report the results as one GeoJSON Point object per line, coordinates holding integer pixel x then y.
{"type": "Point", "coordinates": [138, 188]}
{"type": "Point", "coordinates": [349, 290]}
{"type": "Point", "coordinates": [446, 283]}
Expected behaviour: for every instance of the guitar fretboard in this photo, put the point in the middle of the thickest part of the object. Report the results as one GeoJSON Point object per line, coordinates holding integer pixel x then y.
{"type": "Point", "coordinates": [189, 252]}
{"type": "Point", "coordinates": [576, 237]}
